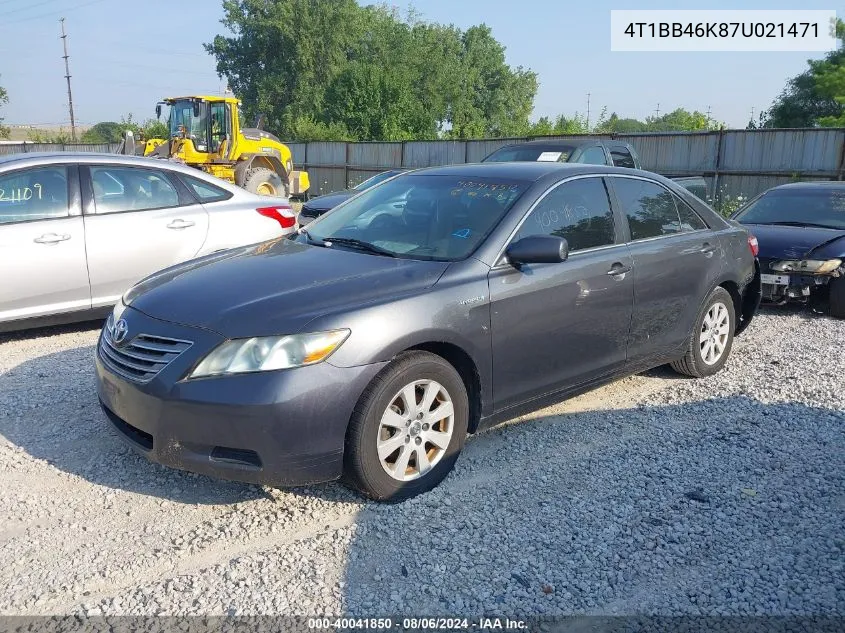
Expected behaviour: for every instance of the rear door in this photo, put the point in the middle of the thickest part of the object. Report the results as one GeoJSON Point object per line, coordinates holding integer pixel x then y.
{"type": "Point", "coordinates": [677, 261]}
{"type": "Point", "coordinates": [42, 243]}
{"type": "Point", "coordinates": [137, 220]}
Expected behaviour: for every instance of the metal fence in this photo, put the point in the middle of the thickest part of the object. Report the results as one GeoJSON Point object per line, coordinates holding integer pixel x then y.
{"type": "Point", "coordinates": [734, 162]}
{"type": "Point", "coordinates": [24, 147]}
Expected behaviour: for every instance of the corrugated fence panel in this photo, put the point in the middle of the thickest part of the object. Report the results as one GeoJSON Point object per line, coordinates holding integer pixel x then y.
{"type": "Point", "coordinates": [675, 153]}
{"type": "Point", "coordinates": [804, 151]}
{"type": "Point", "coordinates": [27, 148]}
{"type": "Point", "coordinates": [432, 153]}
{"type": "Point", "coordinates": [326, 153]}
{"type": "Point", "coordinates": [297, 151]}
{"type": "Point", "coordinates": [375, 155]}
{"type": "Point", "coordinates": [326, 179]}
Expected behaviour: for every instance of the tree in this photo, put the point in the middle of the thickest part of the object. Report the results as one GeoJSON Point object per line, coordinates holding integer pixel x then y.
{"type": "Point", "coordinates": [103, 132]}
{"type": "Point", "coordinates": [4, 99]}
{"type": "Point", "coordinates": [621, 126]}
{"type": "Point", "coordinates": [816, 97]}
{"type": "Point", "coordinates": [681, 120]}
{"type": "Point", "coordinates": [379, 77]}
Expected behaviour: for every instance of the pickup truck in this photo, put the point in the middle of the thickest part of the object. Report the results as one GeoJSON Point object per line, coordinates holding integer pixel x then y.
{"type": "Point", "coordinates": [589, 151]}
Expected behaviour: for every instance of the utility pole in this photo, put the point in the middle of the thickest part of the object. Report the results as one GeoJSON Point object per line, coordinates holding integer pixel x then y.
{"type": "Point", "coordinates": [708, 114]}
{"type": "Point", "coordinates": [67, 76]}
{"type": "Point", "coordinates": [657, 111]}
{"type": "Point", "coordinates": [588, 112]}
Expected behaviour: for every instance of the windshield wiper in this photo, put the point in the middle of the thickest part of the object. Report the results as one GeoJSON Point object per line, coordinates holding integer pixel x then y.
{"type": "Point", "coordinates": [361, 244]}
{"type": "Point", "coordinates": [799, 223]}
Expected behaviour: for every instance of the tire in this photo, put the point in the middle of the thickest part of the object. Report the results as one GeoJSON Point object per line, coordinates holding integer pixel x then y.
{"type": "Point", "coordinates": [706, 357]}
{"type": "Point", "coordinates": [836, 288]}
{"type": "Point", "coordinates": [264, 182]}
{"type": "Point", "coordinates": [380, 416]}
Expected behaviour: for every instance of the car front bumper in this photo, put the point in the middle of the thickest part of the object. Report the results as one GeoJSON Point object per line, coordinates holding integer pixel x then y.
{"type": "Point", "coordinates": [280, 428]}
{"type": "Point", "coordinates": [779, 287]}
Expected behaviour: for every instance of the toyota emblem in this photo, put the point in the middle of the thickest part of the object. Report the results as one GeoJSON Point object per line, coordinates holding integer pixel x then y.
{"type": "Point", "coordinates": [119, 331]}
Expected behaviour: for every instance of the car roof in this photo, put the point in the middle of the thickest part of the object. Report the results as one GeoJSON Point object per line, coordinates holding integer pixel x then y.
{"type": "Point", "coordinates": [812, 185]}
{"type": "Point", "coordinates": [47, 158]}
{"type": "Point", "coordinates": [529, 171]}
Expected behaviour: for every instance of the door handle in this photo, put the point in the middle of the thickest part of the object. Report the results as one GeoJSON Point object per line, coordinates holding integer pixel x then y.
{"type": "Point", "coordinates": [708, 249]}
{"type": "Point", "coordinates": [180, 224]}
{"type": "Point", "coordinates": [618, 269]}
{"type": "Point", "coordinates": [51, 238]}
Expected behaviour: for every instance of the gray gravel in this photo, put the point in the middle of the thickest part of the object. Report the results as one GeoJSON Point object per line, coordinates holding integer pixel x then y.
{"type": "Point", "coordinates": [653, 495]}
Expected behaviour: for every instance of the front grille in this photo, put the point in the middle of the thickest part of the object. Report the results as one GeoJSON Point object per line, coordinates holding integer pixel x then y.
{"type": "Point", "coordinates": [142, 358]}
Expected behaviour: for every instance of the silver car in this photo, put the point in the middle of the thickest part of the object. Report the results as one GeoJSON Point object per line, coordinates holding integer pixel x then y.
{"type": "Point", "coordinates": [78, 229]}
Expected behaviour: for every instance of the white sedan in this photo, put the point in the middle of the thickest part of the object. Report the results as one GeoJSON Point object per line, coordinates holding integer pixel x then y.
{"type": "Point", "coordinates": [78, 229]}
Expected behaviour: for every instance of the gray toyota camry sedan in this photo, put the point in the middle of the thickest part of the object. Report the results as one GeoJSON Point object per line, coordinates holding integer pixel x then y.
{"type": "Point", "coordinates": [443, 301]}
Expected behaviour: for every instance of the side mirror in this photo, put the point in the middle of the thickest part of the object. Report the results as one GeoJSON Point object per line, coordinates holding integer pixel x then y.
{"type": "Point", "coordinates": [158, 111]}
{"type": "Point", "coordinates": [538, 249]}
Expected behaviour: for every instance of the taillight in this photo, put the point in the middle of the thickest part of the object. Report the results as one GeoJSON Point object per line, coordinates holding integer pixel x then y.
{"type": "Point", "coordinates": [282, 214]}
{"type": "Point", "coordinates": [754, 245]}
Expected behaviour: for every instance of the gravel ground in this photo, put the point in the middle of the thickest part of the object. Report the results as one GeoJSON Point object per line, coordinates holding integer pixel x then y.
{"type": "Point", "coordinates": [653, 495]}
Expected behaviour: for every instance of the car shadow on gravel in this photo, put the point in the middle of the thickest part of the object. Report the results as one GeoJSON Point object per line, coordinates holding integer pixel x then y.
{"type": "Point", "coordinates": [49, 409]}
{"type": "Point", "coordinates": [723, 506]}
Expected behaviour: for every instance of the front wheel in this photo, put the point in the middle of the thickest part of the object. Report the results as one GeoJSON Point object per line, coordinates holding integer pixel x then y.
{"type": "Point", "coordinates": [264, 182]}
{"type": "Point", "coordinates": [712, 337]}
{"type": "Point", "coordinates": [408, 429]}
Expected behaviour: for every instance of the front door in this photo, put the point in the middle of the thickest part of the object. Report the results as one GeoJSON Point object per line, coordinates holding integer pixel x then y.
{"type": "Point", "coordinates": [137, 223]}
{"type": "Point", "coordinates": [556, 326]}
{"type": "Point", "coordinates": [42, 243]}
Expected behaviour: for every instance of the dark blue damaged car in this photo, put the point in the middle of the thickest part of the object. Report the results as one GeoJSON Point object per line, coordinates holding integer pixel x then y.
{"type": "Point", "coordinates": [433, 305]}
{"type": "Point", "coordinates": [800, 228]}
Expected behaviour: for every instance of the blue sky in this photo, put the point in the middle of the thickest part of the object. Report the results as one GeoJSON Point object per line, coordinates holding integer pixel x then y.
{"type": "Point", "coordinates": [127, 54]}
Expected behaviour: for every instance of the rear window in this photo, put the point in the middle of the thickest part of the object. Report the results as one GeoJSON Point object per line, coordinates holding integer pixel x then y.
{"type": "Point", "coordinates": [205, 191]}
{"type": "Point", "coordinates": [559, 154]}
{"type": "Point", "coordinates": [821, 207]}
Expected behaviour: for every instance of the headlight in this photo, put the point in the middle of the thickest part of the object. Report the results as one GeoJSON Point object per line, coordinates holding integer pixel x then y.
{"type": "Point", "coordinates": [117, 312]}
{"type": "Point", "coordinates": [810, 266]}
{"type": "Point", "coordinates": [269, 352]}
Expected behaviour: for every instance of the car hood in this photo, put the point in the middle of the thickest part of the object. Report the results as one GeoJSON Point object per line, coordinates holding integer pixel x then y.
{"type": "Point", "coordinates": [794, 242]}
{"type": "Point", "coordinates": [330, 200]}
{"type": "Point", "coordinates": [276, 287]}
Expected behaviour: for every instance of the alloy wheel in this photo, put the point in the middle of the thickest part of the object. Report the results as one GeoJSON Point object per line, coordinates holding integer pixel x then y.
{"type": "Point", "coordinates": [714, 333]}
{"type": "Point", "coordinates": [415, 430]}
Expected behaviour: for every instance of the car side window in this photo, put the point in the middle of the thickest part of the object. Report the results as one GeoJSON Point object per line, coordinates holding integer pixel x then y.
{"type": "Point", "coordinates": [119, 189]}
{"type": "Point", "coordinates": [649, 207]}
{"type": "Point", "coordinates": [690, 220]}
{"type": "Point", "coordinates": [578, 211]}
{"type": "Point", "coordinates": [621, 157]}
{"type": "Point", "coordinates": [593, 156]}
{"type": "Point", "coordinates": [33, 194]}
{"type": "Point", "coordinates": [206, 192]}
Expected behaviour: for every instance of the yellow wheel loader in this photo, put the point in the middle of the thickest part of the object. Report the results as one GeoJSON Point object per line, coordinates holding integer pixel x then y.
{"type": "Point", "coordinates": [205, 132]}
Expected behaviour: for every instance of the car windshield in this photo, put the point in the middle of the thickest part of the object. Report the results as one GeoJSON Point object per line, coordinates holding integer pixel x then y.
{"type": "Point", "coordinates": [182, 115]}
{"type": "Point", "coordinates": [418, 216]}
{"type": "Point", "coordinates": [820, 207]}
{"type": "Point", "coordinates": [374, 180]}
{"type": "Point", "coordinates": [524, 153]}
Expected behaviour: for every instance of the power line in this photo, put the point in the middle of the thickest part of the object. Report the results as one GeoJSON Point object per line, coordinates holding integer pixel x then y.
{"type": "Point", "coordinates": [67, 76]}
{"type": "Point", "coordinates": [52, 13]}
{"type": "Point", "coordinates": [32, 6]}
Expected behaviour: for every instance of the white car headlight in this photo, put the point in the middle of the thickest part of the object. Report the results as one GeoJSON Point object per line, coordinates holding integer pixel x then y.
{"type": "Point", "coordinates": [810, 266]}
{"type": "Point", "coordinates": [267, 353]}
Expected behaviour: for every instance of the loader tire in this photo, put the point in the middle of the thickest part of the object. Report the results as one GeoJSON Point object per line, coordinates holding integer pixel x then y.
{"type": "Point", "coordinates": [265, 182]}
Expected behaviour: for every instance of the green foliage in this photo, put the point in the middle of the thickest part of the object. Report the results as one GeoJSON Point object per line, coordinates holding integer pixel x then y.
{"type": "Point", "coordinates": [62, 137]}
{"type": "Point", "coordinates": [816, 97]}
{"type": "Point", "coordinates": [104, 132]}
{"type": "Point", "coordinates": [560, 126]}
{"type": "Point", "coordinates": [4, 99]}
{"type": "Point", "coordinates": [153, 128]}
{"type": "Point", "coordinates": [332, 69]}
{"type": "Point", "coordinates": [614, 124]}
{"type": "Point", "coordinates": [681, 120]}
